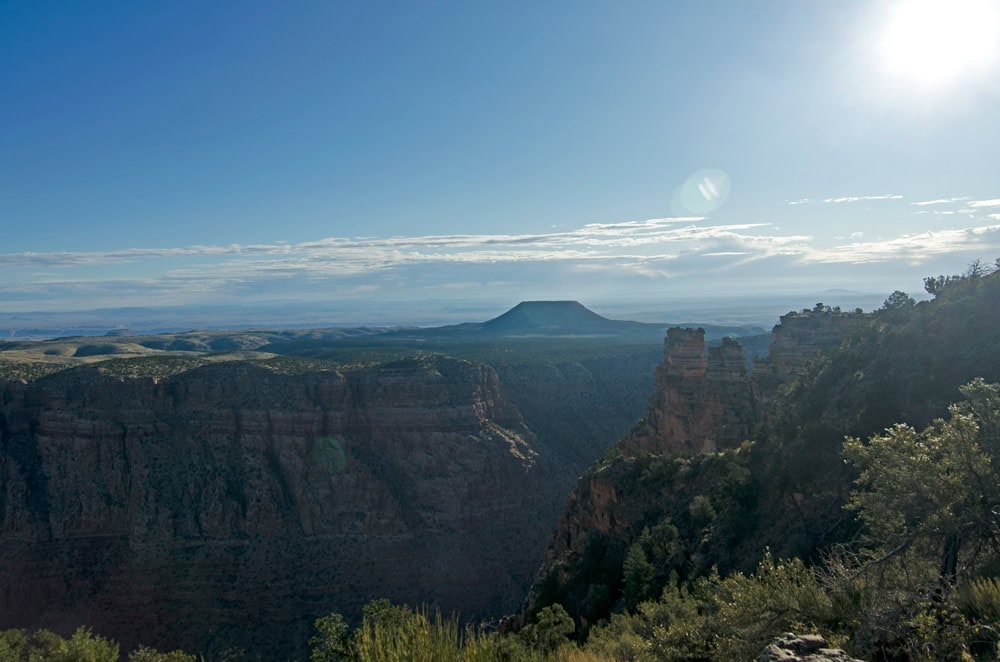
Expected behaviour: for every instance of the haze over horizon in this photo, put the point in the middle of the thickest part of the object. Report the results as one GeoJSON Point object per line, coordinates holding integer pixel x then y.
{"type": "Point", "coordinates": [191, 154]}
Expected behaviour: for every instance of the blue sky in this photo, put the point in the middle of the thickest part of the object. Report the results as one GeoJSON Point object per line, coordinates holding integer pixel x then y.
{"type": "Point", "coordinates": [192, 152]}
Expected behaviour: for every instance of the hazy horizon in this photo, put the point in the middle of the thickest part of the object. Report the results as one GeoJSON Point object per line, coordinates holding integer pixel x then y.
{"type": "Point", "coordinates": [759, 311]}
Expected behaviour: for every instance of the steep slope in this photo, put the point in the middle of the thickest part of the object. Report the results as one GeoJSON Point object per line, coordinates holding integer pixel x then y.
{"type": "Point", "coordinates": [230, 504]}
{"type": "Point", "coordinates": [827, 375]}
{"type": "Point", "coordinates": [705, 400]}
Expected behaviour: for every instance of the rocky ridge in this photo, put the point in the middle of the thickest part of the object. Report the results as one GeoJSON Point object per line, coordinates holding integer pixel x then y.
{"type": "Point", "coordinates": [706, 399]}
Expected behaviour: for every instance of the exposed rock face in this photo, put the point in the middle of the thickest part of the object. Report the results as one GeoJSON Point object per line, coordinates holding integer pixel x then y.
{"type": "Point", "coordinates": [707, 400]}
{"type": "Point", "coordinates": [230, 504]}
{"type": "Point", "coordinates": [703, 398]}
{"type": "Point", "coordinates": [801, 337]}
{"type": "Point", "coordinates": [803, 648]}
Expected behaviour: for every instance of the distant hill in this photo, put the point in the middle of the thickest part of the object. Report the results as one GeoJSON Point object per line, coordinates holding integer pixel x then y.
{"type": "Point", "coordinates": [559, 318]}
{"type": "Point", "coordinates": [565, 319]}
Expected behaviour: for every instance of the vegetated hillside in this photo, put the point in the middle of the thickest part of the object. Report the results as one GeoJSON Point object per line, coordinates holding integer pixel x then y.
{"type": "Point", "coordinates": [786, 490]}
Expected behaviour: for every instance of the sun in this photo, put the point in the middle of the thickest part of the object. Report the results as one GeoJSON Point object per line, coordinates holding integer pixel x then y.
{"type": "Point", "coordinates": [935, 41]}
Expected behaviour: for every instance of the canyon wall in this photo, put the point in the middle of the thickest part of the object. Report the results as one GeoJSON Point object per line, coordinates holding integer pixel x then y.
{"type": "Point", "coordinates": [702, 401]}
{"type": "Point", "coordinates": [231, 504]}
{"type": "Point", "coordinates": [706, 399]}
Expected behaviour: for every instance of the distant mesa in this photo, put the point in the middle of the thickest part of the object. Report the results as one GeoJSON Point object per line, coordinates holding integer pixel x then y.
{"type": "Point", "coordinates": [558, 318]}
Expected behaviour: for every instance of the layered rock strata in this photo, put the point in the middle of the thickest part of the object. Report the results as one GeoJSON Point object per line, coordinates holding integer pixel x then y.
{"type": "Point", "coordinates": [705, 397]}
{"type": "Point", "coordinates": [705, 400]}
{"type": "Point", "coordinates": [229, 505]}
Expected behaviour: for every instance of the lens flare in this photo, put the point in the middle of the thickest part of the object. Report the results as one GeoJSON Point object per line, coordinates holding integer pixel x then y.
{"type": "Point", "coordinates": [703, 192]}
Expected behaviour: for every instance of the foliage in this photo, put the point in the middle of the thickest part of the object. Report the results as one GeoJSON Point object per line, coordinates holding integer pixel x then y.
{"type": "Point", "coordinates": [394, 633]}
{"type": "Point", "coordinates": [550, 631]}
{"type": "Point", "coordinates": [332, 641]}
{"type": "Point", "coordinates": [45, 646]}
{"type": "Point", "coordinates": [146, 654]}
{"type": "Point", "coordinates": [927, 498]}
{"type": "Point", "coordinates": [689, 514]}
{"type": "Point", "coordinates": [747, 611]}
{"type": "Point", "coordinates": [899, 301]}
{"type": "Point", "coordinates": [935, 490]}
{"type": "Point", "coordinates": [899, 575]}
{"type": "Point", "coordinates": [82, 646]}
{"type": "Point", "coordinates": [14, 645]}
{"type": "Point", "coordinates": [28, 370]}
{"type": "Point", "coordinates": [410, 636]}
{"type": "Point", "coordinates": [730, 618]}
{"type": "Point", "coordinates": [638, 573]}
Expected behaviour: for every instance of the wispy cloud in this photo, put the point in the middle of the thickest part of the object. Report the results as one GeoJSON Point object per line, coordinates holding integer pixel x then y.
{"type": "Point", "coordinates": [368, 252]}
{"type": "Point", "coordinates": [588, 256]}
{"type": "Point", "coordinates": [842, 200]}
{"type": "Point", "coordinates": [914, 248]}
{"type": "Point", "coordinates": [939, 201]}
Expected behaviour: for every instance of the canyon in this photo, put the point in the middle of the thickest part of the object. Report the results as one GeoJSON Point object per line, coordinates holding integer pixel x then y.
{"type": "Point", "coordinates": [230, 504]}
{"type": "Point", "coordinates": [706, 399]}
{"type": "Point", "coordinates": [221, 503]}
{"type": "Point", "coordinates": [205, 491]}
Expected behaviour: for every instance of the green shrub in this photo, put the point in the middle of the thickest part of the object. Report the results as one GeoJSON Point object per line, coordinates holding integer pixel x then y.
{"type": "Point", "coordinates": [146, 654]}
{"type": "Point", "coordinates": [83, 646]}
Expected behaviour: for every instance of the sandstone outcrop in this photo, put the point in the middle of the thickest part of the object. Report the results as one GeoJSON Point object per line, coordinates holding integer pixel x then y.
{"type": "Point", "coordinates": [231, 504]}
{"type": "Point", "coordinates": [706, 399]}
{"type": "Point", "coordinates": [791, 647]}
{"type": "Point", "coordinates": [703, 399]}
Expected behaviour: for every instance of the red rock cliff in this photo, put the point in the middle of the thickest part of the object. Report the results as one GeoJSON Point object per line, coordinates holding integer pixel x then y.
{"type": "Point", "coordinates": [707, 400]}
{"type": "Point", "coordinates": [703, 398]}
{"type": "Point", "coordinates": [230, 505]}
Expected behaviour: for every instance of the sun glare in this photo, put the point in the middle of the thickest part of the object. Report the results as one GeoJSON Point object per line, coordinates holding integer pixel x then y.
{"type": "Point", "coordinates": [933, 41]}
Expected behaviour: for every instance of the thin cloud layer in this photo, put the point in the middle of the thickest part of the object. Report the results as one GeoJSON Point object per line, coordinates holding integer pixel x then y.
{"type": "Point", "coordinates": [692, 253]}
{"type": "Point", "coordinates": [913, 247]}
{"type": "Point", "coordinates": [842, 200]}
{"type": "Point", "coordinates": [939, 201]}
